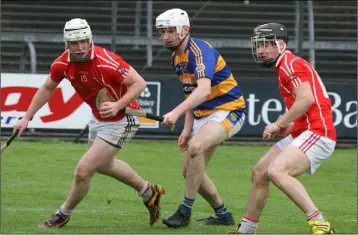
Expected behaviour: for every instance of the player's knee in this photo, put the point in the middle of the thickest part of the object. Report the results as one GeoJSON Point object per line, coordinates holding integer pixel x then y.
{"type": "Point", "coordinates": [274, 172]}
{"type": "Point", "coordinates": [195, 149]}
{"type": "Point", "coordinates": [82, 173]}
{"type": "Point", "coordinates": [105, 169]}
{"type": "Point", "coordinates": [259, 175]}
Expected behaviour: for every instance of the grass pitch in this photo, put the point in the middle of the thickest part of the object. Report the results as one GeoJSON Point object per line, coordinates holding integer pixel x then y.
{"type": "Point", "coordinates": [35, 178]}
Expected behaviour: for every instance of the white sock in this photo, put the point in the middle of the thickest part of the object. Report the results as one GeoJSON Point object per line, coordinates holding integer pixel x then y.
{"type": "Point", "coordinates": [248, 226]}
{"type": "Point", "coordinates": [145, 192]}
{"type": "Point", "coordinates": [64, 211]}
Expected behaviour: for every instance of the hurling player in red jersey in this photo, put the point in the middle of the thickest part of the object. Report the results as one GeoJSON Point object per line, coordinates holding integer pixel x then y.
{"type": "Point", "coordinates": [309, 136]}
{"type": "Point", "coordinates": [89, 69]}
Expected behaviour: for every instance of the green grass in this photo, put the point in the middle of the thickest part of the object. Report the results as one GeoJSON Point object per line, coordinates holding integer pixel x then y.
{"type": "Point", "coordinates": [35, 177]}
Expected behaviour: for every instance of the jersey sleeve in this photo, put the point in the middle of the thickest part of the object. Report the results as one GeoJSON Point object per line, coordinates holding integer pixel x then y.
{"type": "Point", "coordinates": [121, 67]}
{"type": "Point", "coordinates": [294, 75]}
{"type": "Point", "coordinates": [57, 71]}
{"type": "Point", "coordinates": [202, 60]}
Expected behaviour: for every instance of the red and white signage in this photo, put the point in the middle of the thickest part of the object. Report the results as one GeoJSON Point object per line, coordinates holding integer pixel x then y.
{"type": "Point", "coordinates": [64, 110]}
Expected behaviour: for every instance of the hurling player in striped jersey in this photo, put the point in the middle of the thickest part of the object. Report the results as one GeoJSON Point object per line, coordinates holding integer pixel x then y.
{"type": "Point", "coordinates": [214, 110]}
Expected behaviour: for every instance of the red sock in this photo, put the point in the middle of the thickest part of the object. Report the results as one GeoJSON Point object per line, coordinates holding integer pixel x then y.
{"type": "Point", "coordinates": [251, 220]}
{"type": "Point", "coordinates": [316, 215]}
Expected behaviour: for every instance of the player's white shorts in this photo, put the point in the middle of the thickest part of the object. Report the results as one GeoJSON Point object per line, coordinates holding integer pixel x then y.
{"type": "Point", "coordinates": [116, 133]}
{"type": "Point", "coordinates": [317, 148]}
{"type": "Point", "coordinates": [229, 120]}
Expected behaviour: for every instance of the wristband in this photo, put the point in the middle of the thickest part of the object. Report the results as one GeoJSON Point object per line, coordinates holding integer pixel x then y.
{"type": "Point", "coordinates": [279, 124]}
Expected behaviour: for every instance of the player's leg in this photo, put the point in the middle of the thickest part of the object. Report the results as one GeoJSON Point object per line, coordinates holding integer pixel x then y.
{"type": "Point", "coordinates": [209, 192]}
{"type": "Point", "coordinates": [210, 132]}
{"type": "Point", "coordinates": [113, 135]}
{"type": "Point", "coordinates": [92, 131]}
{"type": "Point", "coordinates": [259, 191]}
{"type": "Point", "coordinates": [100, 153]}
{"type": "Point", "coordinates": [232, 123]}
{"type": "Point", "coordinates": [90, 143]}
{"type": "Point", "coordinates": [198, 145]}
{"type": "Point", "coordinates": [117, 169]}
{"type": "Point", "coordinates": [150, 193]}
{"type": "Point", "coordinates": [207, 188]}
{"type": "Point", "coordinates": [119, 134]}
{"type": "Point", "coordinates": [305, 153]}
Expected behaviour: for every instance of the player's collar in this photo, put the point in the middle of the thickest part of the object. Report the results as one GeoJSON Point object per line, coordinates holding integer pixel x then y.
{"type": "Point", "coordinates": [279, 59]}
{"type": "Point", "coordinates": [188, 43]}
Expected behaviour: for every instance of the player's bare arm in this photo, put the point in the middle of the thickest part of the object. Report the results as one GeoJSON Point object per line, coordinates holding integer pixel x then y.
{"type": "Point", "coordinates": [303, 101]}
{"type": "Point", "coordinates": [41, 97]}
{"type": "Point", "coordinates": [198, 96]}
{"type": "Point", "coordinates": [136, 86]}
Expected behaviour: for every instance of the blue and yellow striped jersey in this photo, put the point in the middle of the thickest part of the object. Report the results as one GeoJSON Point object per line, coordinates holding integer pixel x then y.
{"type": "Point", "coordinates": [201, 60]}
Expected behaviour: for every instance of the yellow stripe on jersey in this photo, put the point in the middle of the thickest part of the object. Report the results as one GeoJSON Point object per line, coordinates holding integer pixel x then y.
{"type": "Point", "coordinates": [233, 105]}
{"type": "Point", "coordinates": [220, 64]}
{"type": "Point", "coordinates": [183, 58]}
{"type": "Point", "coordinates": [185, 77]}
{"type": "Point", "coordinates": [223, 87]}
{"type": "Point", "coordinates": [198, 58]}
{"type": "Point", "coordinates": [225, 93]}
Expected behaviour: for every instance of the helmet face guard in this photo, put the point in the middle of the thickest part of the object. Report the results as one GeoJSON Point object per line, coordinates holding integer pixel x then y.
{"type": "Point", "coordinates": [179, 34]}
{"type": "Point", "coordinates": [268, 35]}
{"type": "Point", "coordinates": [262, 42]}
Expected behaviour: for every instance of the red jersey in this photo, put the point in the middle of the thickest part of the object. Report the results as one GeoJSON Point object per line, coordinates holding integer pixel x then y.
{"type": "Point", "coordinates": [103, 69]}
{"type": "Point", "coordinates": [293, 70]}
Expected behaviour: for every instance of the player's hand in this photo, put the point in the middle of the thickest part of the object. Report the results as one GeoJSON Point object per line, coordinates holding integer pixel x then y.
{"type": "Point", "coordinates": [21, 126]}
{"type": "Point", "coordinates": [184, 139]}
{"type": "Point", "coordinates": [108, 109]}
{"type": "Point", "coordinates": [170, 119]}
{"type": "Point", "coordinates": [271, 131]}
{"type": "Point", "coordinates": [285, 131]}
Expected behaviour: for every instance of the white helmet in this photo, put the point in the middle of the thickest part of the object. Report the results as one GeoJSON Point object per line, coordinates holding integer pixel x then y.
{"type": "Point", "coordinates": [173, 18]}
{"type": "Point", "coordinates": [77, 29]}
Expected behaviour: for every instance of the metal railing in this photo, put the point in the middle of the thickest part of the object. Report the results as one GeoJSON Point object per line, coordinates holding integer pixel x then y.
{"type": "Point", "coordinates": [33, 58]}
{"type": "Point", "coordinates": [149, 41]}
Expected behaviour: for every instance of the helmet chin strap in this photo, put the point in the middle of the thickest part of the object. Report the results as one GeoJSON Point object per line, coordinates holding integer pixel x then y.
{"type": "Point", "coordinates": [76, 59]}
{"type": "Point", "coordinates": [176, 47]}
